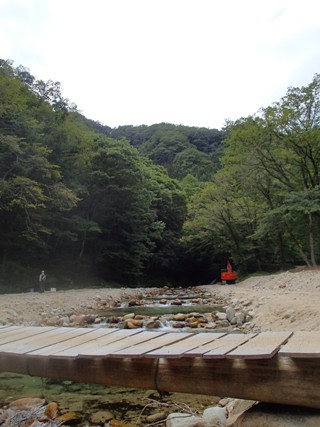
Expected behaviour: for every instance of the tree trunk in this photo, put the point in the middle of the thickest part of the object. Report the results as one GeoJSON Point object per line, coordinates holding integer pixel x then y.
{"type": "Point", "coordinates": [311, 241]}
{"type": "Point", "coordinates": [298, 246]}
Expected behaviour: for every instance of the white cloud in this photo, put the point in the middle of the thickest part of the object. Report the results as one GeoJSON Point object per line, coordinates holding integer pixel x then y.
{"type": "Point", "coordinates": [195, 62]}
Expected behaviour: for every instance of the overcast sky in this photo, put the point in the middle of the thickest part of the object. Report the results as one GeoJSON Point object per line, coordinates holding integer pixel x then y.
{"type": "Point", "coordinates": [191, 62]}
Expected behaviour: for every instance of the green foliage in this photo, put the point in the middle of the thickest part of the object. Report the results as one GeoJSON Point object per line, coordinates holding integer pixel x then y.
{"type": "Point", "coordinates": [177, 148]}
{"type": "Point", "coordinates": [264, 206]}
{"type": "Point", "coordinates": [70, 194]}
{"type": "Point", "coordinates": [141, 203]}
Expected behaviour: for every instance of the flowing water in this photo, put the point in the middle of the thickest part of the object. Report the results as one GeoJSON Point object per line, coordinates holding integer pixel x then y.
{"type": "Point", "coordinates": [126, 405]}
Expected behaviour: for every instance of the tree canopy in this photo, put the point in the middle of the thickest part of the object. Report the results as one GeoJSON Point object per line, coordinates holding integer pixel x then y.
{"type": "Point", "coordinates": [163, 202]}
{"type": "Point", "coordinates": [265, 199]}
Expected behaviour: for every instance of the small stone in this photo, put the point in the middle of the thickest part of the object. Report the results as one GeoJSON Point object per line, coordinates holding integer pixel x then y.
{"type": "Point", "coordinates": [156, 417]}
{"type": "Point", "coordinates": [180, 317]}
{"type": "Point", "coordinates": [230, 313]}
{"type": "Point", "coordinates": [101, 417]}
{"type": "Point", "coordinates": [153, 324]}
{"type": "Point", "coordinates": [178, 325]}
{"type": "Point", "coordinates": [220, 316]}
{"type": "Point", "coordinates": [134, 324]}
{"type": "Point", "coordinates": [224, 401]}
{"type": "Point", "coordinates": [129, 316]}
{"type": "Point", "coordinates": [176, 302]}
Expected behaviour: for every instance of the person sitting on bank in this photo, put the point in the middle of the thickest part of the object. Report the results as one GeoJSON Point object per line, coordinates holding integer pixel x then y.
{"type": "Point", "coordinates": [42, 279]}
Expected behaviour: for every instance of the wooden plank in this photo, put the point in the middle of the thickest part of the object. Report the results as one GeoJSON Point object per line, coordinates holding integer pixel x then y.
{"type": "Point", "coordinates": [302, 344]}
{"type": "Point", "coordinates": [4, 328]}
{"type": "Point", "coordinates": [264, 345]}
{"type": "Point", "coordinates": [18, 346]}
{"type": "Point", "coordinates": [98, 343]}
{"type": "Point", "coordinates": [123, 344]}
{"type": "Point", "coordinates": [177, 349]}
{"type": "Point", "coordinates": [41, 341]}
{"type": "Point", "coordinates": [76, 336]}
{"type": "Point", "coordinates": [10, 329]}
{"type": "Point", "coordinates": [220, 348]}
{"type": "Point", "coordinates": [226, 346]}
{"type": "Point", "coordinates": [21, 333]}
{"type": "Point", "coordinates": [141, 348]}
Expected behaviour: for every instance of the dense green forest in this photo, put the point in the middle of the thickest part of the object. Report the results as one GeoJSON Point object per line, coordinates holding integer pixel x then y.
{"type": "Point", "coordinates": [143, 205]}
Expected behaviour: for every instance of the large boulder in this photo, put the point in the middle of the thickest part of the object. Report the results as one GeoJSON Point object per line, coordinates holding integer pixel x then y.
{"type": "Point", "coordinates": [179, 419]}
{"type": "Point", "coordinates": [214, 416]}
{"type": "Point", "coordinates": [270, 415]}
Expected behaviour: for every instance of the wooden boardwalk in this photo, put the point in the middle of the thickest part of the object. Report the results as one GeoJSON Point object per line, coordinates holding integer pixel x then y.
{"type": "Point", "coordinates": [279, 367]}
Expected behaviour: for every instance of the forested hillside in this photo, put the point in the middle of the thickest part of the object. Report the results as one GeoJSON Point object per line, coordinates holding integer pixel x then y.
{"type": "Point", "coordinates": [74, 200]}
{"type": "Point", "coordinates": [153, 204]}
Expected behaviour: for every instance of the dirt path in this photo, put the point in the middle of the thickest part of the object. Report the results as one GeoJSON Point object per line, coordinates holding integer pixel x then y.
{"type": "Point", "coordinates": [286, 301]}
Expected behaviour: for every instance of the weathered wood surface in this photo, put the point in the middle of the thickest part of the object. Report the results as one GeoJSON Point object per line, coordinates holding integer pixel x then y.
{"type": "Point", "coordinates": [220, 347]}
{"type": "Point", "coordinates": [149, 345]}
{"type": "Point", "coordinates": [272, 367]}
{"type": "Point", "coordinates": [183, 347]}
{"type": "Point", "coordinates": [263, 345]}
{"type": "Point", "coordinates": [302, 345]}
{"type": "Point", "coordinates": [16, 333]}
{"type": "Point", "coordinates": [93, 346]}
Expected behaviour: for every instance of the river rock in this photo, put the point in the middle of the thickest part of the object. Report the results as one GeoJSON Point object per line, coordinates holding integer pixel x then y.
{"type": "Point", "coordinates": [53, 321]}
{"type": "Point", "coordinates": [77, 319]}
{"type": "Point", "coordinates": [117, 304]}
{"type": "Point", "coordinates": [128, 316]}
{"type": "Point", "coordinates": [134, 303]}
{"type": "Point", "coordinates": [134, 324]}
{"type": "Point", "coordinates": [242, 317]}
{"type": "Point", "coordinates": [178, 325]}
{"type": "Point", "coordinates": [27, 403]}
{"type": "Point", "coordinates": [276, 416]}
{"type": "Point", "coordinates": [211, 325]}
{"type": "Point", "coordinates": [219, 316]}
{"type": "Point", "coordinates": [214, 416]}
{"type": "Point", "coordinates": [230, 313]}
{"type": "Point", "coordinates": [178, 419]}
{"type": "Point", "coordinates": [180, 317]}
{"type": "Point", "coordinates": [118, 423]}
{"type": "Point", "coordinates": [223, 323]}
{"type": "Point", "coordinates": [224, 401]}
{"type": "Point", "coordinates": [176, 302]}
{"type": "Point", "coordinates": [89, 320]}
{"type": "Point", "coordinates": [156, 417]}
{"type": "Point", "coordinates": [193, 324]}
{"type": "Point", "coordinates": [251, 313]}
{"type": "Point", "coordinates": [101, 417]}
{"type": "Point", "coordinates": [153, 324]}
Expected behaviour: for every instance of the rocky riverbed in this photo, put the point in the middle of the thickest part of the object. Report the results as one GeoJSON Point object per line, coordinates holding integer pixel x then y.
{"type": "Point", "coordinates": [184, 309]}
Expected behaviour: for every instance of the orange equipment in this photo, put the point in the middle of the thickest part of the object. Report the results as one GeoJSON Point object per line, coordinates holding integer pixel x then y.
{"type": "Point", "coordinates": [229, 276]}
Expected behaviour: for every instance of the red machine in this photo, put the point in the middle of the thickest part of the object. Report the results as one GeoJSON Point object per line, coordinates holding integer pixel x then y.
{"type": "Point", "coordinates": [229, 276]}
